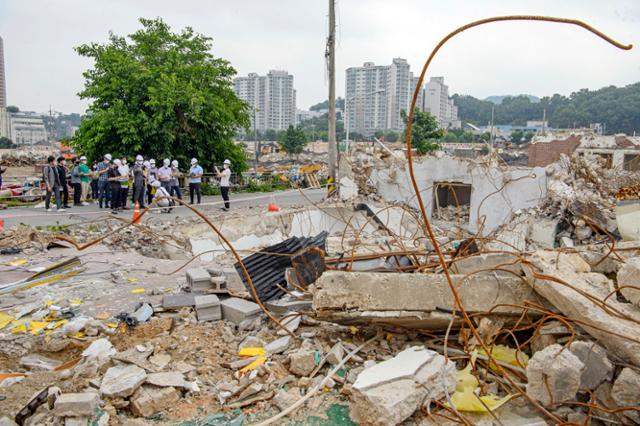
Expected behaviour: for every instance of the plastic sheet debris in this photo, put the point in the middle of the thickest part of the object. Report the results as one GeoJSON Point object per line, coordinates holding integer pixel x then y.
{"type": "Point", "coordinates": [468, 400]}
{"type": "Point", "coordinates": [252, 352]}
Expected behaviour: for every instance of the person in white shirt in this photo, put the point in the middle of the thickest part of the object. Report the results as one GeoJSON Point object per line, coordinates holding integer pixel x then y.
{"type": "Point", "coordinates": [161, 192]}
{"type": "Point", "coordinates": [224, 176]}
{"type": "Point", "coordinates": [164, 175]}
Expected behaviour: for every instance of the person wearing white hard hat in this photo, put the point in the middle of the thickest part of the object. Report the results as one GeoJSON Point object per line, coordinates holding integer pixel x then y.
{"type": "Point", "coordinates": [160, 197]}
{"type": "Point", "coordinates": [114, 177]}
{"type": "Point", "coordinates": [195, 180]}
{"type": "Point", "coordinates": [225, 176]}
{"type": "Point", "coordinates": [103, 181]}
{"type": "Point", "coordinates": [164, 175]}
{"type": "Point", "coordinates": [85, 180]}
{"type": "Point", "coordinates": [175, 180]}
{"type": "Point", "coordinates": [139, 181]}
{"type": "Point", "coordinates": [151, 176]}
{"type": "Point", "coordinates": [123, 168]}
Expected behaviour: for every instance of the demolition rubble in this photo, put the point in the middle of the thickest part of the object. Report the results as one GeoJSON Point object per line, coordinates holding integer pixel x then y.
{"type": "Point", "coordinates": [340, 312]}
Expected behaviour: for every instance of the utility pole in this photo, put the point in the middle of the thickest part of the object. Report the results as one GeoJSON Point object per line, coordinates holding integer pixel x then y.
{"type": "Point", "coordinates": [331, 54]}
{"type": "Point", "coordinates": [255, 143]}
{"type": "Point", "coordinates": [544, 120]}
{"type": "Point", "coordinates": [491, 135]}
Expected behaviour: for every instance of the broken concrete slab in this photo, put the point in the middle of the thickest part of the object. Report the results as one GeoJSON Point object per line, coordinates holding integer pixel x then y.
{"type": "Point", "coordinates": [302, 362]}
{"type": "Point", "coordinates": [284, 399]}
{"type": "Point", "coordinates": [122, 381]}
{"type": "Point", "coordinates": [598, 368]}
{"type": "Point", "coordinates": [554, 375]}
{"type": "Point", "coordinates": [570, 268]}
{"type": "Point", "coordinates": [335, 354]}
{"type": "Point", "coordinates": [413, 300]}
{"type": "Point", "coordinates": [626, 392]}
{"type": "Point", "coordinates": [237, 310]}
{"type": "Point", "coordinates": [167, 379]}
{"type": "Point", "coordinates": [486, 262]}
{"type": "Point", "coordinates": [291, 322]}
{"type": "Point", "coordinates": [391, 391]}
{"type": "Point", "coordinates": [149, 400]}
{"type": "Point", "coordinates": [76, 404]}
{"type": "Point", "coordinates": [39, 362]}
{"type": "Point", "coordinates": [629, 277]}
{"type": "Point", "coordinates": [178, 300]}
{"type": "Point", "coordinates": [543, 232]}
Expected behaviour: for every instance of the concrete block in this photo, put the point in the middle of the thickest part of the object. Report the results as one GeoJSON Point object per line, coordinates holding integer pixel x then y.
{"type": "Point", "coordinates": [168, 379]}
{"type": "Point", "coordinates": [554, 375]}
{"type": "Point", "coordinates": [233, 279]}
{"type": "Point", "coordinates": [390, 392]}
{"type": "Point", "coordinates": [122, 380]}
{"type": "Point", "coordinates": [198, 279]}
{"type": "Point", "coordinates": [626, 392]}
{"type": "Point", "coordinates": [76, 404]}
{"type": "Point", "coordinates": [149, 400]}
{"type": "Point", "coordinates": [467, 265]}
{"type": "Point", "coordinates": [278, 346]}
{"type": "Point", "coordinates": [598, 368]}
{"type": "Point", "coordinates": [302, 362]}
{"type": "Point", "coordinates": [543, 232]}
{"type": "Point", "coordinates": [208, 307]}
{"type": "Point", "coordinates": [178, 300]}
{"type": "Point", "coordinates": [236, 310]}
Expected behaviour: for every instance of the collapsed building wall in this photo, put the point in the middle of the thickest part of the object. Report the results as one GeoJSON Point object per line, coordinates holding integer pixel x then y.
{"type": "Point", "coordinates": [495, 192]}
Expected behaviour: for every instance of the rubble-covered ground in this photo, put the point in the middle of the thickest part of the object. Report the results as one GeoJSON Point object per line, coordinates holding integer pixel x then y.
{"type": "Point", "coordinates": [536, 323]}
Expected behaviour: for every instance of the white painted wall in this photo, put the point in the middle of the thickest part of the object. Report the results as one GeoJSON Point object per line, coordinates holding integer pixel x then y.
{"type": "Point", "coordinates": [526, 187]}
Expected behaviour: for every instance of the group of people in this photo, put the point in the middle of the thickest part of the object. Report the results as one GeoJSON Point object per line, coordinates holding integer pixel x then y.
{"type": "Point", "coordinates": [109, 182]}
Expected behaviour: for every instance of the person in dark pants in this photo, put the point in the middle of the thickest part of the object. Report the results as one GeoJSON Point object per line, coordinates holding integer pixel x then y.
{"type": "Point", "coordinates": [62, 173]}
{"type": "Point", "coordinates": [151, 176]}
{"type": "Point", "coordinates": [139, 182]}
{"type": "Point", "coordinates": [94, 181]}
{"type": "Point", "coordinates": [76, 183]}
{"type": "Point", "coordinates": [113, 176]}
{"type": "Point", "coordinates": [124, 183]}
{"type": "Point", "coordinates": [175, 180]}
{"type": "Point", "coordinates": [225, 176]}
{"type": "Point", "coordinates": [52, 183]}
{"type": "Point", "coordinates": [103, 180]}
{"type": "Point", "coordinates": [195, 180]}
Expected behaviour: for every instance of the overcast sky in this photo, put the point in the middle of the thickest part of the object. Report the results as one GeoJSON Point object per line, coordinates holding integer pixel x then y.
{"type": "Point", "coordinates": [258, 35]}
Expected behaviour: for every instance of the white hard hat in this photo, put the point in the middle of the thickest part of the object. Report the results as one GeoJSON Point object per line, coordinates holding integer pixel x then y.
{"type": "Point", "coordinates": [167, 162]}
{"type": "Point", "coordinates": [147, 164]}
{"type": "Point", "coordinates": [107, 157]}
{"type": "Point", "coordinates": [174, 163]}
{"type": "Point", "coordinates": [139, 157]}
{"type": "Point", "coordinates": [152, 161]}
{"type": "Point", "coordinates": [156, 184]}
{"type": "Point", "coordinates": [83, 158]}
{"type": "Point", "coordinates": [226, 161]}
{"type": "Point", "coordinates": [194, 160]}
{"type": "Point", "coordinates": [117, 162]}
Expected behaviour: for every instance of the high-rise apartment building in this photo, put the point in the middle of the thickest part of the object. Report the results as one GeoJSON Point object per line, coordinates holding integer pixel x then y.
{"type": "Point", "coordinates": [271, 99]}
{"type": "Point", "coordinates": [439, 104]}
{"type": "Point", "coordinates": [376, 95]}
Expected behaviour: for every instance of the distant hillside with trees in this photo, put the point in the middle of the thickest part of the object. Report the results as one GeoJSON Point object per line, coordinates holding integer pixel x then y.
{"type": "Point", "coordinates": [618, 108]}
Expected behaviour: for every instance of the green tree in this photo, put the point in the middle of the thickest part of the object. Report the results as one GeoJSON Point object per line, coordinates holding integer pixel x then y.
{"type": "Point", "coordinates": [425, 132]}
{"type": "Point", "coordinates": [450, 137]}
{"type": "Point", "coordinates": [6, 143]}
{"type": "Point", "coordinates": [161, 94]}
{"type": "Point", "coordinates": [516, 137]}
{"type": "Point", "coordinates": [293, 140]}
{"type": "Point", "coordinates": [378, 134]}
{"type": "Point", "coordinates": [391, 136]}
{"type": "Point", "coordinates": [527, 137]}
{"type": "Point", "coordinates": [271, 135]}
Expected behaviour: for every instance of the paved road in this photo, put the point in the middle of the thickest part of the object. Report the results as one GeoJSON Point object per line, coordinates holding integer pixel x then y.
{"type": "Point", "coordinates": [39, 217]}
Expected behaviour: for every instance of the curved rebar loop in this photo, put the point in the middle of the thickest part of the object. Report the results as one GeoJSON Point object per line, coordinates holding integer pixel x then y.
{"type": "Point", "coordinates": [414, 183]}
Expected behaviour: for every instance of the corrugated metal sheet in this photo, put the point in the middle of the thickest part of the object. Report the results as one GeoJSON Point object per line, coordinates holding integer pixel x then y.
{"type": "Point", "coordinates": [267, 268]}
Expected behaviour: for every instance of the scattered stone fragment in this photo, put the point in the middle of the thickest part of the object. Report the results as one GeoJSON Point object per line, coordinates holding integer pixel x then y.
{"type": "Point", "coordinates": [598, 368]}
{"type": "Point", "coordinates": [168, 379]}
{"type": "Point", "coordinates": [122, 381]}
{"type": "Point", "coordinates": [284, 399]}
{"type": "Point", "coordinates": [291, 323]}
{"type": "Point", "coordinates": [554, 370]}
{"type": "Point", "coordinates": [278, 346]}
{"type": "Point", "coordinates": [38, 362]}
{"type": "Point", "coordinates": [6, 421]}
{"type": "Point", "coordinates": [149, 400]}
{"type": "Point", "coordinates": [334, 357]}
{"type": "Point", "coordinates": [626, 392]}
{"type": "Point", "coordinates": [237, 310]}
{"type": "Point", "coordinates": [302, 362]}
{"type": "Point", "coordinates": [251, 342]}
{"type": "Point", "coordinates": [629, 275]}
{"type": "Point", "coordinates": [76, 404]}
{"type": "Point", "coordinates": [160, 360]}
{"type": "Point", "coordinates": [391, 391]}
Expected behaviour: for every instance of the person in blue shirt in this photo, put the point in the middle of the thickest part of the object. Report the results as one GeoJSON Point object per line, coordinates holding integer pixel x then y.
{"type": "Point", "coordinates": [195, 179]}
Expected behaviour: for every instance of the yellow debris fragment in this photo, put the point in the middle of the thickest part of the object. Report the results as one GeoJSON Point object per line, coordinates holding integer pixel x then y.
{"type": "Point", "coordinates": [506, 354]}
{"type": "Point", "coordinates": [132, 280]}
{"type": "Point", "coordinates": [465, 379]}
{"type": "Point", "coordinates": [112, 325]}
{"type": "Point", "coordinates": [18, 262]}
{"type": "Point", "coordinates": [252, 352]}
{"type": "Point", "coordinates": [35, 327]}
{"type": "Point", "coordinates": [255, 364]}
{"type": "Point", "coordinates": [353, 329]}
{"type": "Point", "coordinates": [467, 400]}
{"type": "Point", "coordinates": [75, 302]}
{"type": "Point", "coordinates": [5, 320]}
{"type": "Point", "coordinates": [137, 290]}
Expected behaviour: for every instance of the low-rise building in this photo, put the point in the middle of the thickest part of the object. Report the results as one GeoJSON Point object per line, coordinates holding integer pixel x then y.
{"type": "Point", "coordinates": [27, 128]}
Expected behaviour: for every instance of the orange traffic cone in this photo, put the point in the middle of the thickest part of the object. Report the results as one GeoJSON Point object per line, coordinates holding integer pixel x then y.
{"type": "Point", "coordinates": [1, 225]}
{"type": "Point", "coordinates": [136, 213]}
{"type": "Point", "coordinates": [272, 206]}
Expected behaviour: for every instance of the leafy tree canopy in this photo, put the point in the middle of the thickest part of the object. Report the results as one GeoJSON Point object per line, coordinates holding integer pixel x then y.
{"type": "Point", "coordinates": [13, 109]}
{"type": "Point", "coordinates": [616, 107]}
{"type": "Point", "coordinates": [163, 95]}
{"type": "Point", "coordinates": [6, 143]}
{"type": "Point", "coordinates": [425, 132]}
{"type": "Point", "coordinates": [325, 105]}
{"type": "Point", "coordinates": [293, 140]}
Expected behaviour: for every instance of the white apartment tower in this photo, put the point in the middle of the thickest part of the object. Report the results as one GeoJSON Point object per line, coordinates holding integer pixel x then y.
{"type": "Point", "coordinates": [271, 99]}
{"type": "Point", "coordinates": [376, 94]}
{"type": "Point", "coordinates": [438, 103]}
